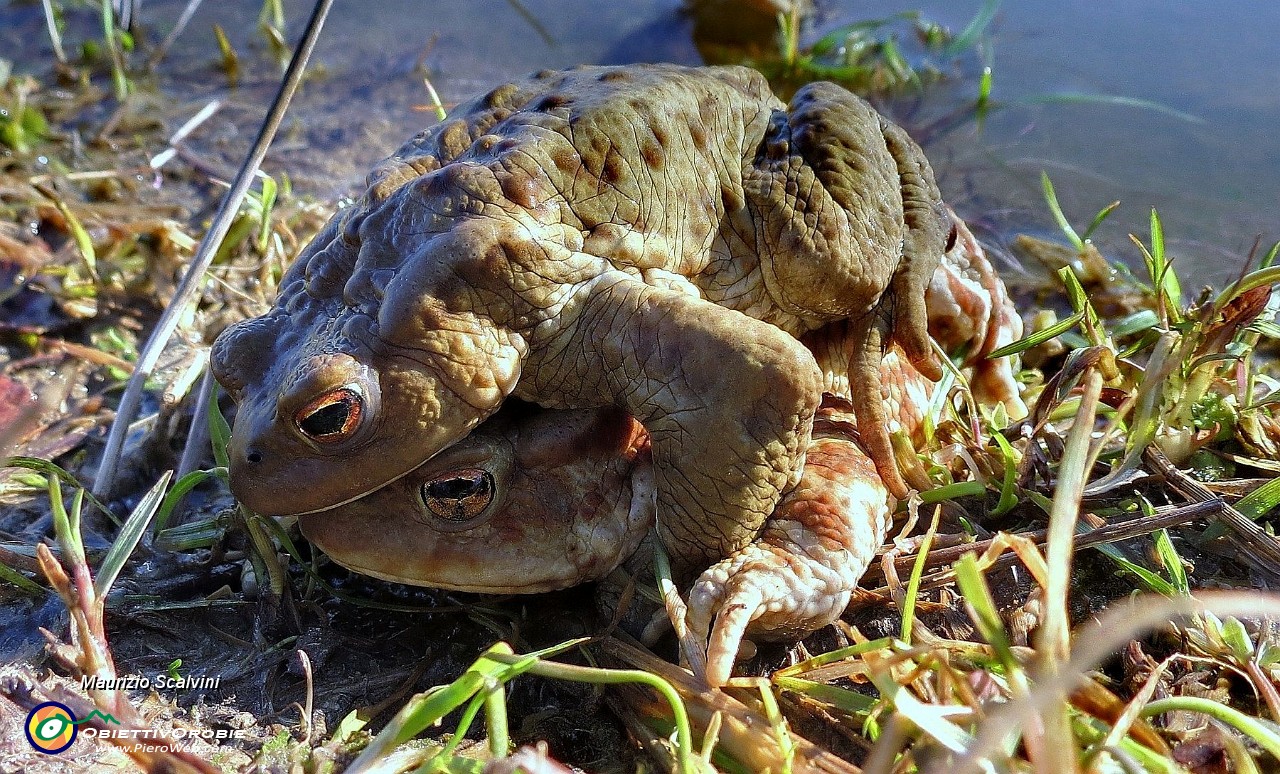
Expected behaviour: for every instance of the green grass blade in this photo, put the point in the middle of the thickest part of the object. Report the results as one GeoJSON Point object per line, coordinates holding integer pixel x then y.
{"type": "Point", "coordinates": [15, 578]}
{"type": "Point", "coordinates": [1078, 98]}
{"type": "Point", "coordinates": [952, 491]}
{"type": "Point", "coordinates": [917, 572]}
{"type": "Point", "coordinates": [1142, 320]}
{"type": "Point", "coordinates": [982, 607]}
{"type": "Point", "coordinates": [495, 716]}
{"type": "Point", "coordinates": [1172, 563]}
{"type": "Point", "coordinates": [180, 489]}
{"type": "Point", "coordinates": [1256, 279]}
{"type": "Point", "coordinates": [1097, 219]}
{"type": "Point", "coordinates": [1039, 337]}
{"type": "Point", "coordinates": [1075, 291]}
{"type": "Point", "coordinates": [424, 709]}
{"type": "Point", "coordinates": [1152, 581]}
{"type": "Point", "coordinates": [1051, 198]}
{"type": "Point", "coordinates": [130, 534]}
{"type": "Point", "coordinates": [1270, 257]}
{"type": "Point", "coordinates": [50, 470]}
{"type": "Point", "coordinates": [1008, 487]}
{"type": "Point", "coordinates": [1257, 730]}
{"type": "Point", "coordinates": [850, 701]}
{"type": "Point", "coordinates": [984, 93]}
{"type": "Point", "coordinates": [831, 657]}
{"type": "Point", "coordinates": [265, 203]}
{"type": "Point", "coordinates": [1260, 501]}
{"type": "Point", "coordinates": [968, 37]}
{"type": "Point", "coordinates": [685, 752]}
{"type": "Point", "coordinates": [219, 428]}
{"type": "Point", "coordinates": [1166, 279]}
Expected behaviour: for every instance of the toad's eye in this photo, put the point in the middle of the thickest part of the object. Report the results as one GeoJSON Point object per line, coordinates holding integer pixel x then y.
{"type": "Point", "coordinates": [459, 495]}
{"type": "Point", "coordinates": [332, 417]}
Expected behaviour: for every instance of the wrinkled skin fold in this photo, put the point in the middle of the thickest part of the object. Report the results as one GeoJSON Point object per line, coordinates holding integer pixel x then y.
{"type": "Point", "coordinates": [652, 239]}
{"type": "Point", "coordinates": [572, 493]}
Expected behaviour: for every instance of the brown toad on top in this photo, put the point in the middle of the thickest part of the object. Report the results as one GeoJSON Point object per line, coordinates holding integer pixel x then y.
{"type": "Point", "coordinates": [651, 238]}
{"type": "Point", "coordinates": [535, 500]}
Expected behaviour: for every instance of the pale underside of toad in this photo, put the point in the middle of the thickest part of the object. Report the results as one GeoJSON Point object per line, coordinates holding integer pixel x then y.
{"type": "Point", "coordinates": [653, 239]}
{"type": "Point", "coordinates": [535, 500]}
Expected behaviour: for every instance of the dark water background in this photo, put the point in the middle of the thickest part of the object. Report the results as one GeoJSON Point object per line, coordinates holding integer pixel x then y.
{"type": "Point", "coordinates": [1208, 159]}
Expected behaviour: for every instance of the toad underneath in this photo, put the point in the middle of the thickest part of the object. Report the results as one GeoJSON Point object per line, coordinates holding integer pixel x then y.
{"type": "Point", "coordinates": [536, 500]}
{"type": "Point", "coordinates": [654, 239]}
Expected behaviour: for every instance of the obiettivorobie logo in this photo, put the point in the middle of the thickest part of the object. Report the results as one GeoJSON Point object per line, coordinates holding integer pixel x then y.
{"type": "Point", "coordinates": [52, 727]}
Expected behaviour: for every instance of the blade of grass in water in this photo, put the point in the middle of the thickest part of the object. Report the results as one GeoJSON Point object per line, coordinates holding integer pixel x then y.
{"type": "Point", "coordinates": [1077, 98]}
{"type": "Point", "coordinates": [1097, 219]}
{"type": "Point", "coordinates": [968, 37]}
{"type": "Point", "coordinates": [118, 79]}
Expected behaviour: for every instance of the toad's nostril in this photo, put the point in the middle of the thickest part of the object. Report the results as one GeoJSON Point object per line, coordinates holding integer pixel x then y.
{"type": "Point", "coordinates": [253, 457]}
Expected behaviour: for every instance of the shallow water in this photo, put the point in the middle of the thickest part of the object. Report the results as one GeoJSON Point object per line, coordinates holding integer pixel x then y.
{"type": "Point", "coordinates": [1209, 161]}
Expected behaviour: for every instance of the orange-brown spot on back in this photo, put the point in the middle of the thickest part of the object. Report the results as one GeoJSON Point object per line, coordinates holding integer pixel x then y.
{"type": "Point", "coordinates": [654, 157]}
{"type": "Point", "coordinates": [613, 170]}
{"type": "Point", "coordinates": [699, 137]}
{"type": "Point", "coordinates": [521, 189]}
{"type": "Point", "coordinates": [832, 468]}
{"type": "Point", "coordinates": [566, 158]}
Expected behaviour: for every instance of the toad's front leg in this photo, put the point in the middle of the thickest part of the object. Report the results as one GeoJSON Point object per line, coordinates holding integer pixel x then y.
{"type": "Point", "coordinates": [728, 402]}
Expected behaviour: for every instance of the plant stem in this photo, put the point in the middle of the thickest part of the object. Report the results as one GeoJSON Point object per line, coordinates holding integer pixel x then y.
{"type": "Point", "coordinates": [192, 280]}
{"type": "Point", "coordinates": [1054, 638]}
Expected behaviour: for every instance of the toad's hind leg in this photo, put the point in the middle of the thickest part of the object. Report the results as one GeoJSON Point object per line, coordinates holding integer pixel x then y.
{"type": "Point", "coordinates": [804, 567]}
{"type": "Point", "coordinates": [849, 224]}
{"type": "Point", "coordinates": [727, 400]}
{"type": "Point", "coordinates": [799, 575]}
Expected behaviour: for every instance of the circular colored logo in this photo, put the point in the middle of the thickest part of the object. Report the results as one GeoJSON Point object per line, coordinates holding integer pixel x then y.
{"type": "Point", "coordinates": [51, 728]}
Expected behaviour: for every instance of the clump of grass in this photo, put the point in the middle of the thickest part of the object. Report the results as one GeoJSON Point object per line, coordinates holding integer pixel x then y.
{"type": "Point", "coordinates": [871, 57]}
{"type": "Point", "coordinates": [22, 124]}
{"type": "Point", "coordinates": [88, 653]}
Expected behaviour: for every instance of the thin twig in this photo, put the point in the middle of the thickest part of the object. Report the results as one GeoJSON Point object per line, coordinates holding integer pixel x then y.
{"type": "Point", "coordinates": [54, 35]}
{"type": "Point", "coordinates": [198, 439]}
{"type": "Point", "coordinates": [1263, 550]}
{"type": "Point", "coordinates": [172, 37]}
{"type": "Point", "coordinates": [191, 281]}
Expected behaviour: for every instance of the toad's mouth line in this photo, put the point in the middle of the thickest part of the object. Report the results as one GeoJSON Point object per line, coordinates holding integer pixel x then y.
{"type": "Point", "coordinates": [366, 492]}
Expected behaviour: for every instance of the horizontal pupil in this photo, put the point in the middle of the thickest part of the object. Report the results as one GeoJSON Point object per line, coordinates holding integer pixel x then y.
{"type": "Point", "coordinates": [457, 488]}
{"type": "Point", "coordinates": [328, 420]}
